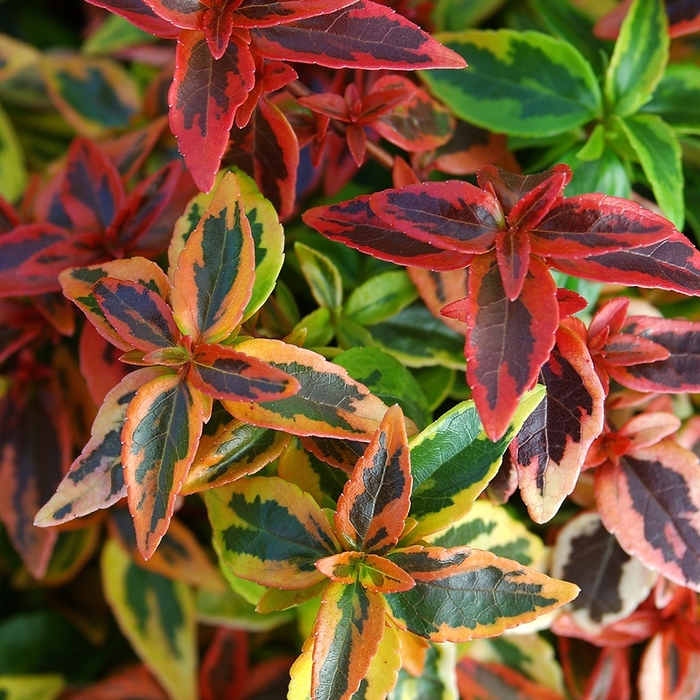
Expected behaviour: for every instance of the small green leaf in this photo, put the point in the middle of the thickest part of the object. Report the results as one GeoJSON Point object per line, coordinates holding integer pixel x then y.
{"type": "Point", "coordinates": [380, 297]}
{"type": "Point", "coordinates": [677, 96]}
{"type": "Point", "coordinates": [607, 174]}
{"type": "Point", "coordinates": [38, 687]}
{"type": "Point", "coordinates": [595, 146]}
{"type": "Point", "coordinates": [518, 83]}
{"type": "Point", "coordinates": [230, 609]}
{"type": "Point", "coordinates": [113, 34]}
{"type": "Point", "coordinates": [455, 15]}
{"type": "Point", "coordinates": [322, 276]}
{"type": "Point", "coordinates": [436, 382]}
{"type": "Point", "coordinates": [639, 58]}
{"type": "Point", "coordinates": [13, 174]}
{"type": "Point", "coordinates": [318, 326]}
{"type": "Point", "coordinates": [659, 153]}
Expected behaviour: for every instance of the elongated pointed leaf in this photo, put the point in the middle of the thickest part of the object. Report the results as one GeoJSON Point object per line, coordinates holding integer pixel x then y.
{"type": "Point", "coordinates": [215, 270]}
{"type": "Point", "coordinates": [376, 500]}
{"type": "Point", "coordinates": [363, 35]}
{"type": "Point", "coordinates": [651, 503]}
{"type": "Point", "coordinates": [267, 530]}
{"type": "Point", "coordinates": [613, 583]}
{"type": "Point", "coordinates": [138, 12]}
{"type": "Point", "coordinates": [356, 224]}
{"type": "Point", "coordinates": [674, 98]}
{"type": "Point", "coordinates": [463, 593]}
{"type": "Point", "coordinates": [507, 341]}
{"type": "Point", "coordinates": [329, 403]}
{"type": "Point", "coordinates": [203, 100]}
{"type": "Point", "coordinates": [262, 13]}
{"type": "Point", "coordinates": [549, 450]}
{"type": "Point", "coordinates": [518, 83]}
{"type": "Point", "coordinates": [162, 429]}
{"type": "Point", "coordinates": [453, 460]}
{"type": "Point", "coordinates": [95, 479]}
{"type": "Point", "coordinates": [157, 615]}
{"type": "Point", "coordinates": [348, 629]}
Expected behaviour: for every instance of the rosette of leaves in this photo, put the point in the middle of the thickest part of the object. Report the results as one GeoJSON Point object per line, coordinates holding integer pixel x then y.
{"type": "Point", "coordinates": [370, 563]}
{"type": "Point", "coordinates": [183, 331]}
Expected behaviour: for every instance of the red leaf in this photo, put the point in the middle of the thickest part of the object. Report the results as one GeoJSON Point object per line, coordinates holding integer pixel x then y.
{"type": "Point", "coordinates": [181, 13]}
{"type": "Point", "coordinates": [141, 15]}
{"type": "Point", "coordinates": [268, 13]}
{"type": "Point", "coordinates": [225, 665]}
{"type": "Point", "coordinates": [513, 256]}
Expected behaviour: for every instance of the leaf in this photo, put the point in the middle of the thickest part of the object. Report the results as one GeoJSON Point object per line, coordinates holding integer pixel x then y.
{"type": "Point", "coordinates": [492, 681]}
{"type": "Point", "coordinates": [225, 665]}
{"type": "Point", "coordinates": [639, 58]}
{"type": "Point", "coordinates": [549, 450]}
{"type": "Point", "coordinates": [329, 403]}
{"type": "Point", "coordinates": [463, 593]}
{"type": "Point", "coordinates": [13, 173]}
{"type": "Point", "coordinates": [380, 297]}
{"type": "Point", "coordinates": [132, 683]}
{"type": "Point", "coordinates": [237, 449]}
{"type": "Point", "coordinates": [674, 97]}
{"type": "Point", "coordinates": [31, 687]}
{"type": "Point", "coordinates": [140, 14]}
{"type": "Point", "coordinates": [383, 668]}
{"type": "Point", "coordinates": [348, 629]}
{"type": "Point", "coordinates": [648, 502]}
{"type": "Point", "coordinates": [270, 532]}
{"type": "Point", "coordinates": [613, 583]}
{"type": "Point", "coordinates": [322, 277]}
{"type": "Point", "coordinates": [157, 615]}
{"type": "Point", "coordinates": [518, 83]}
{"type": "Point", "coordinates": [452, 461]}
{"type": "Point", "coordinates": [435, 680]}
{"type": "Point", "coordinates": [372, 509]}
{"type": "Point", "coordinates": [507, 341]}
{"type": "Point", "coordinates": [651, 138]}
{"type": "Point", "coordinates": [215, 271]}
{"type": "Point", "coordinates": [363, 35]}
{"type": "Point", "coordinates": [160, 435]}
{"type": "Point", "coordinates": [95, 479]}
{"type": "Point", "coordinates": [203, 100]}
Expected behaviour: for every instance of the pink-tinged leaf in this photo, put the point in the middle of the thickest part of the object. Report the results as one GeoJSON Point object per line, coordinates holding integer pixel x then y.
{"type": "Point", "coordinates": [131, 683]}
{"type": "Point", "coordinates": [348, 629]}
{"type": "Point", "coordinates": [536, 203]}
{"type": "Point", "coordinates": [19, 325]}
{"type": "Point", "coordinates": [669, 667]}
{"type": "Point", "coordinates": [92, 190]}
{"type": "Point", "coordinates": [508, 341]}
{"type": "Point", "coordinates": [673, 264]}
{"type": "Point", "coordinates": [363, 35]}
{"type": "Point", "coordinates": [160, 436]}
{"type": "Point", "coordinates": [550, 448]}
{"type": "Point", "coordinates": [95, 479]}
{"type": "Point", "coordinates": [99, 363]}
{"type": "Point", "coordinates": [217, 25]}
{"type": "Point", "coordinates": [8, 216]}
{"type": "Point", "coordinates": [268, 13]}
{"type": "Point", "coordinates": [78, 283]}
{"type": "Point", "coordinates": [374, 504]}
{"type": "Point", "coordinates": [438, 289]}
{"type": "Point", "coordinates": [181, 13]}
{"type": "Point", "coordinates": [203, 100]}
{"type": "Point", "coordinates": [513, 256]}
{"type": "Point", "coordinates": [225, 373]}
{"type": "Point", "coordinates": [329, 403]}
{"type": "Point", "coordinates": [646, 429]}
{"type": "Point", "coordinates": [225, 666]}
{"type": "Point", "coordinates": [140, 14]}
{"type": "Point", "coordinates": [213, 280]}
{"type": "Point", "coordinates": [650, 501]}
{"type": "Point", "coordinates": [355, 224]}
{"type": "Point", "coordinates": [679, 372]}
{"type": "Point", "coordinates": [34, 456]}
{"type": "Point", "coordinates": [140, 316]}
{"type": "Point", "coordinates": [452, 215]}
{"type": "Point", "coordinates": [32, 256]}
{"type": "Point", "coordinates": [625, 349]}
{"type": "Point", "coordinates": [595, 223]}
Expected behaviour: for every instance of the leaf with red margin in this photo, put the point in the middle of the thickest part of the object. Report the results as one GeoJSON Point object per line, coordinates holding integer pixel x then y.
{"type": "Point", "coordinates": [19, 325]}
{"type": "Point", "coordinates": [452, 215]}
{"type": "Point", "coordinates": [673, 264]}
{"type": "Point", "coordinates": [463, 593]}
{"type": "Point", "coordinates": [96, 479]}
{"type": "Point", "coordinates": [651, 503]}
{"type": "Point", "coordinates": [550, 448]}
{"type": "Point", "coordinates": [139, 315]}
{"type": "Point", "coordinates": [92, 191]}
{"type": "Point", "coordinates": [372, 509]}
{"type": "Point", "coordinates": [683, 18]}
{"type": "Point", "coordinates": [375, 573]}
{"type": "Point", "coordinates": [224, 669]}
{"type": "Point", "coordinates": [184, 14]}
{"type": "Point", "coordinates": [363, 35]}
{"type": "Point", "coordinates": [141, 15]}
{"type": "Point", "coordinates": [508, 341]}
{"type": "Point", "coordinates": [203, 100]}
{"type": "Point", "coordinates": [595, 223]}
{"type": "Point", "coordinates": [329, 403]}
{"type": "Point", "coordinates": [226, 373]}
{"type": "Point", "coordinates": [355, 224]}
{"type": "Point", "coordinates": [160, 436]}
{"type": "Point", "coordinates": [537, 202]}
{"type": "Point", "coordinates": [215, 271]}
{"type": "Point", "coordinates": [438, 289]}
{"type": "Point", "coordinates": [78, 283]}
{"type": "Point", "coordinates": [99, 363]}
{"type": "Point", "coordinates": [670, 666]}
{"type": "Point", "coordinates": [347, 632]}
{"type": "Point", "coordinates": [268, 13]}
{"type": "Point", "coordinates": [513, 256]}
{"type": "Point", "coordinates": [679, 372]}
{"type": "Point", "coordinates": [34, 456]}
{"type": "Point", "coordinates": [132, 683]}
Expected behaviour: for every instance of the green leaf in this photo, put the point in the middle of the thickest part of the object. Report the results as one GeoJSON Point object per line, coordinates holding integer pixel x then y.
{"type": "Point", "coordinates": [322, 277]}
{"type": "Point", "coordinates": [606, 174]}
{"type": "Point", "coordinates": [595, 146]}
{"type": "Point", "coordinates": [639, 58]}
{"type": "Point", "coordinates": [113, 34]}
{"type": "Point", "coordinates": [436, 382]}
{"type": "Point", "coordinates": [157, 615]}
{"type": "Point", "coordinates": [437, 681]}
{"type": "Point", "coordinates": [318, 327]}
{"type": "Point", "coordinates": [40, 687]}
{"type": "Point", "coordinates": [455, 15]}
{"type": "Point", "coordinates": [659, 153]}
{"type": "Point", "coordinates": [452, 462]}
{"type": "Point", "coordinates": [13, 174]}
{"type": "Point", "coordinates": [380, 297]}
{"type": "Point", "coordinates": [230, 609]}
{"type": "Point", "coordinates": [518, 83]}
{"type": "Point", "coordinates": [677, 96]}
{"type": "Point", "coordinates": [388, 379]}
